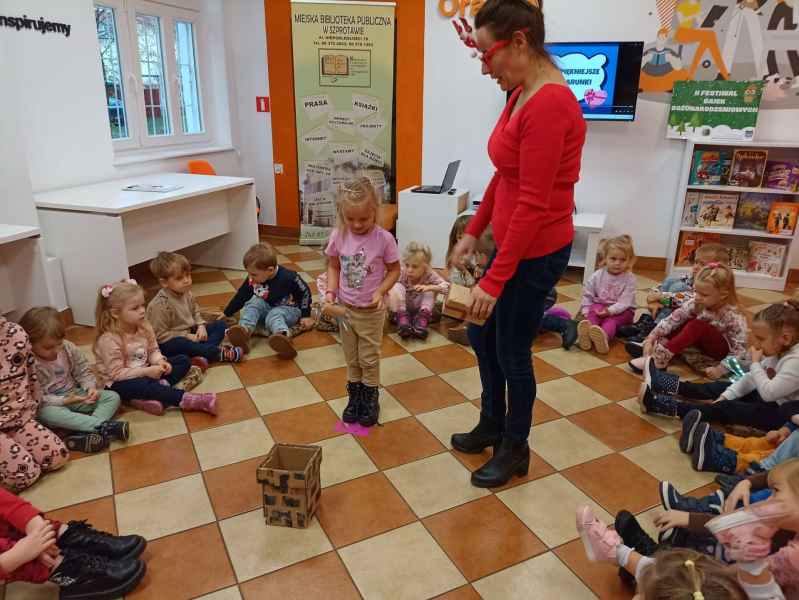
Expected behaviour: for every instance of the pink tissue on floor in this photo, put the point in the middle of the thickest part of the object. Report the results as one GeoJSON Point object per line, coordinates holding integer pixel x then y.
{"type": "Point", "coordinates": [353, 428]}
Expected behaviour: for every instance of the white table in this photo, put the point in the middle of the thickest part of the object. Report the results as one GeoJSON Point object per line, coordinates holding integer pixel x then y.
{"type": "Point", "coordinates": [98, 230]}
{"type": "Point", "coordinates": [18, 262]}
{"type": "Point", "coordinates": [588, 231]}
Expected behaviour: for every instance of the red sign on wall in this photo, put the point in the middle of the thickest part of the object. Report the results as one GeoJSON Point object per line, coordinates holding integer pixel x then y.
{"type": "Point", "coordinates": [262, 103]}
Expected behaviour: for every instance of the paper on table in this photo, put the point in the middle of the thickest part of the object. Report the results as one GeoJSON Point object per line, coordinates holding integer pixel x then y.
{"type": "Point", "coordinates": [143, 187]}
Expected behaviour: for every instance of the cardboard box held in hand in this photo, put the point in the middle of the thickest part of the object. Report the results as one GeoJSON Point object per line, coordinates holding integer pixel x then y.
{"type": "Point", "coordinates": [457, 304]}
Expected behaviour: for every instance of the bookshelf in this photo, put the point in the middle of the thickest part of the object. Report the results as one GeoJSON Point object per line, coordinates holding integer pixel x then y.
{"type": "Point", "coordinates": [740, 237]}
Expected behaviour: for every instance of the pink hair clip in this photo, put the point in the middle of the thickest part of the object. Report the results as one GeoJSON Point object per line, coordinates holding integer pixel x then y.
{"type": "Point", "coordinates": [713, 265]}
{"type": "Point", "coordinates": [106, 290]}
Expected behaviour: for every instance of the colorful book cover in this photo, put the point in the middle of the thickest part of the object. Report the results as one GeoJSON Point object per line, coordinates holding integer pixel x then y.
{"type": "Point", "coordinates": [725, 162]}
{"type": "Point", "coordinates": [706, 168]}
{"type": "Point", "coordinates": [782, 176]}
{"type": "Point", "coordinates": [739, 255]}
{"type": "Point", "coordinates": [782, 218]}
{"type": "Point", "coordinates": [717, 210]}
{"type": "Point", "coordinates": [691, 209]}
{"type": "Point", "coordinates": [753, 211]}
{"type": "Point", "coordinates": [766, 258]}
{"type": "Point", "coordinates": [689, 242]}
{"type": "Point", "coordinates": [747, 168]}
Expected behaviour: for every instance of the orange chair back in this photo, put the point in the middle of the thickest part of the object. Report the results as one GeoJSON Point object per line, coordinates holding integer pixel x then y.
{"type": "Point", "coordinates": [201, 167]}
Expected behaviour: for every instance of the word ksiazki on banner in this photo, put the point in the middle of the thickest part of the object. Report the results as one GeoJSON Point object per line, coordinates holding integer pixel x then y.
{"type": "Point", "coordinates": [450, 8]}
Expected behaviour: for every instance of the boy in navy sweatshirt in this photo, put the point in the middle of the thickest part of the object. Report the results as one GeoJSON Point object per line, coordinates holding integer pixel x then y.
{"type": "Point", "coordinates": [274, 295]}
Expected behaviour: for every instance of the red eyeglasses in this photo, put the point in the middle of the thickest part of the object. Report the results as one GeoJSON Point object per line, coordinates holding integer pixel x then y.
{"type": "Point", "coordinates": [486, 56]}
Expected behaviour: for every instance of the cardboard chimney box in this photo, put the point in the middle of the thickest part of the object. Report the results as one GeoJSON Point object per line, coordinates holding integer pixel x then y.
{"type": "Point", "coordinates": [457, 304]}
{"type": "Point", "coordinates": [290, 476]}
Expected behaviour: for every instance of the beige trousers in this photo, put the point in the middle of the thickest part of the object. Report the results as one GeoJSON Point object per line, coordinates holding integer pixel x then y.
{"type": "Point", "coordinates": [362, 336]}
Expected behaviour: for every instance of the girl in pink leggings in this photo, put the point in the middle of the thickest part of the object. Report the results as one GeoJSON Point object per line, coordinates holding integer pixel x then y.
{"type": "Point", "coordinates": [609, 296]}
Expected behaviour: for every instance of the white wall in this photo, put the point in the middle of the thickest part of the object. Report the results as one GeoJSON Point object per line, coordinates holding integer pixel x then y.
{"type": "Point", "coordinates": [249, 77]}
{"type": "Point", "coordinates": [62, 113]}
{"type": "Point", "coordinates": [629, 171]}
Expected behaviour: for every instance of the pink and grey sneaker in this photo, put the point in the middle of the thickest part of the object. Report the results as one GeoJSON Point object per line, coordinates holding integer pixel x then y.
{"type": "Point", "coordinates": [746, 533]}
{"type": "Point", "coordinates": [600, 542]}
{"type": "Point", "coordinates": [153, 407]}
{"type": "Point", "coordinates": [199, 402]}
{"type": "Point", "coordinates": [200, 361]}
{"type": "Point", "coordinates": [421, 321]}
{"type": "Point", "coordinates": [404, 328]}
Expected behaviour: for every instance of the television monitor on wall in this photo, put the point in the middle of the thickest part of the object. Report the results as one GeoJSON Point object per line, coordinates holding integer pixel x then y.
{"type": "Point", "coordinates": [603, 76]}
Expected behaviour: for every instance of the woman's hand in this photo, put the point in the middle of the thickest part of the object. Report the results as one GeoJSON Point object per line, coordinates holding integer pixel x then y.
{"type": "Point", "coordinates": [465, 246]}
{"type": "Point", "coordinates": [740, 493]}
{"type": "Point", "coordinates": [670, 519]}
{"type": "Point", "coordinates": [482, 303]}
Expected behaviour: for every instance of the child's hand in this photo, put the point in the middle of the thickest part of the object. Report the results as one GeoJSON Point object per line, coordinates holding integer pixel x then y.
{"type": "Point", "coordinates": [715, 372]}
{"type": "Point", "coordinates": [154, 371]}
{"type": "Point", "coordinates": [90, 397]}
{"type": "Point", "coordinates": [38, 540]}
{"type": "Point", "coordinates": [740, 493]}
{"type": "Point", "coordinates": [654, 298]}
{"type": "Point", "coordinates": [422, 288]}
{"type": "Point", "coordinates": [202, 334]}
{"type": "Point", "coordinates": [377, 300]}
{"type": "Point", "coordinates": [756, 354]}
{"type": "Point", "coordinates": [653, 307]}
{"type": "Point", "coordinates": [649, 345]}
{"type": "Point", "coordinates": [670, 519]}
{"type": "Point", "coordinates": [307, 322]}
{"type": "Point", "coordinates": [166, 367]}
{"type": "Point", "coordinates": [602, 313]}
{"type": "Point", "coordinates": [192, 337]}
{"type": "Point", "coordinates": [778, 436]}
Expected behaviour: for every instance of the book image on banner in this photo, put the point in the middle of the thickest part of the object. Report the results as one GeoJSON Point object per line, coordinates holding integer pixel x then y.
{"type": "Point", "coordinates": [766, 258]}
{"type": "Point", "coordinates": [690, 241]}
{"type": "Point", "coordinates": [343, 56]}
{"type": "Point", "coordinates": [717, 210]}
{"type": "Point", "coordinates": [747, 168]}
{"type": "Point", "coordinates": [782, 218]}
{"type": "Point", "coordinates": [753, 211]}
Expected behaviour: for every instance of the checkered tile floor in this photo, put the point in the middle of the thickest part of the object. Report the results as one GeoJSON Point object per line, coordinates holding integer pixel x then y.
{"type": "Point", "coordinates": [398, 517]}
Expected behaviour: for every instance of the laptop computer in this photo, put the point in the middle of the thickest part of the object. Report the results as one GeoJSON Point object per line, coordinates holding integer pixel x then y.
{"type": "Point", "coordinates": [449, 178]}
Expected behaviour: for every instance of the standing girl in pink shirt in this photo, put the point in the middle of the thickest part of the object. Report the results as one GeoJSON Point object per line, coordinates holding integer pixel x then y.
{"type": "Point", "coordinates": [364, 263]}
{"type": "Point", "coordinates": [609, 296]}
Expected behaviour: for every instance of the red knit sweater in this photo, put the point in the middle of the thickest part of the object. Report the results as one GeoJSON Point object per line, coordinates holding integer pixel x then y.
{"type": "Point", "coordinates": [530, 199]}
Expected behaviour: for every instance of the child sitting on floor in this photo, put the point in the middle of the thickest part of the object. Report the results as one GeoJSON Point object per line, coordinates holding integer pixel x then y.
{"type": "Point", "coordinates": [710, 321]}
{"type": "Point", "coordinates": [129, 361]}
{"type": "Point", "coordinates": [609, 295]}
{"type": "Point", "coordinates": [83, 562]}
{"type": "Point", "coordinates": [266, 296]}
{"type": "Point", "coordinates": [175, 316]}
{"type": "Point", "coordinates": [413, 296]}
{"type": "Point", "coordinates": [70, 398]}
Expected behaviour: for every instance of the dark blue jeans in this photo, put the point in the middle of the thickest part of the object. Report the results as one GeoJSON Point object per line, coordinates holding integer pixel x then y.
{"type": "Point", "coordinates": [145, 388]}
{"type": "Point", "coordinates": [208, 349]}
{"type": "Point", "coordinates": [503, 343]}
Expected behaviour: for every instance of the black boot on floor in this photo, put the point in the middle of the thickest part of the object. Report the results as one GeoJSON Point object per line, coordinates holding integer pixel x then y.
{"type": "Point", "coordinates": [115, 430]}
{"type": "Point", "coordinates": [511, 458]}
{"type": "Point", "coordinates": [82, 537]}
{"type": "Point", "coordinates": [633, 535]}
{"type": "Point", "coordinates": [81, 576]}
{"type": "Point", "coordinates": [369, 412]}
{"type": "Point", "coordinates": [568, 334]}
{"type": "Point", "coordinates": [355, 391]}
{"type": "Point", "coordinates": [487, 433]}
{"type": "Point", "coordinates": [88, 443]}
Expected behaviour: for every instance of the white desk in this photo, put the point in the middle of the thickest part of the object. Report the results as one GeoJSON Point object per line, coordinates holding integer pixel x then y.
{"type": "Point", "coordinates": [587, 233]}
{"type": "Point", "coordinates": [98, 230]}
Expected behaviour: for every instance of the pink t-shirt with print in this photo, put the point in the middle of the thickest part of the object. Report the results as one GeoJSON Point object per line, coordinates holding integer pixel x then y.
{"type": "Point", "coordinates": [363, 261]}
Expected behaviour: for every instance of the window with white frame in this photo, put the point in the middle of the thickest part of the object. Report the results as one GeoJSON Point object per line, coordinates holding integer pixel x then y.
{"type": "Point", "coordinates": [149, 61]}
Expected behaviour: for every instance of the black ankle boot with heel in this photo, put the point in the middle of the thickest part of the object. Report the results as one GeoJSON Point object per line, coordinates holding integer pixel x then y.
{"type": "Point", "coordinates": [487, 433]}
{"type": "Point", "coordinates": [355, 391]}
{"type": "Point", "coordinates": [510, 458]}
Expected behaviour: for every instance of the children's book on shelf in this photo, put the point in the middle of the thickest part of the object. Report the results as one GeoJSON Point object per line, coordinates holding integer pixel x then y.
{"type": "Point", "coordinates": [738, 250]}
{"type": "Point", "coordinates": [689, 242]}
{"type": "Point", "coordinates": [766, 258]}
{"type": "Point", "coordinates": [717, 210]}
{"type": "Point", "coordinates": [753, 211]}
{"type": "Point", "coordinates": [706, 168]}
{"type": "Point", "coordinates": [747, 168]}
{"type": "Point", "coordinates": [782, 218]}
{"type": "Point", "coordinates": [781, 175]}
{"type": "Point", "coordinates": [691, 209]}
{"type": "Point", "coordinates": [725, 160]}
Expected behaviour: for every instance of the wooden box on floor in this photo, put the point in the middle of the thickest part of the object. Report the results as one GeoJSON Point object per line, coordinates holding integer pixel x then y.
{"type": "Point", "coordinates": [290, 476]}
{"type": "Point", "coordinates": [457, 303]}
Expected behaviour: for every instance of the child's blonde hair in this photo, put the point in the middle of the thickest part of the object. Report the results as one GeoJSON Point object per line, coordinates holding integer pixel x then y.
{"type": "Point", "coordinates": [682, 574]}
{"type": "Point", "coordinates": [713, 252]}
{"type": "Point", "coordinates": [721, 277]}
{"type": "Point", "coordinates": [169, 264]}
{"type": "Point", "coordinates": [356, 193]}
{"type": "Point", "coordinates": [788, 470]}
{"type": "Point", "coordinates": [110, 297]}
{"type": "Point", "coordinates": [417, 250]}
{"type": "Point", "coordinates": [43, 322]}
{"type": "Point", "coordinates": [260, 256]}
{"type": "Point", "coordinates": [622, 243]}
{"type": "Point", "coordinates": [779, 316]}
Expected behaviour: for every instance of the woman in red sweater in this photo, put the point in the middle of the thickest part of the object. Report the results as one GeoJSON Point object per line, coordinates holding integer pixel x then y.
{"type": "Point", "coordinates": [536, 148]}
